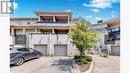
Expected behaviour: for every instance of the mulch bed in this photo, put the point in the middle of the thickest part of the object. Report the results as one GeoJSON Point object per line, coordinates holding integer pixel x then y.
{"type": "Point", "coordinates": [84, 67]}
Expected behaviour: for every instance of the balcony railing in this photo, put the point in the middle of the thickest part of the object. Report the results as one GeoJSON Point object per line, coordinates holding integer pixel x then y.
{"type": "Point", "coordinates": [43, 23]}
{"type": "Point", "coordinates": [109, 42]}
{"type": "Point", "coordinates": [114, 41]}
{"type": "Point", "coordinates": [111, 39]}
{"type": "Point", "coordinates": [116, 29]}
{"type": "Point", "coordinates": [49, 38]}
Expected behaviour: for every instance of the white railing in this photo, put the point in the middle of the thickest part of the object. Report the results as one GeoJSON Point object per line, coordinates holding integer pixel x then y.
{"type": "Point", "coordinates": [42, 23]}
{"type": "Point", "coordinates": [47, 38]}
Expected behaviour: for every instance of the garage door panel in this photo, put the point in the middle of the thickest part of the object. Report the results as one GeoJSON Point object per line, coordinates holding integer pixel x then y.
{"type": "Point", "coordinates": [60, 50]}
{"type": "Point", "coordinates": [115, 50]}
{"type": "Point", "coordinates": [42, 49]}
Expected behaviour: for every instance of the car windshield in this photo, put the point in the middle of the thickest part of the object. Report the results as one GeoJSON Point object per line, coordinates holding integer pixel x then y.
{"type": "Point", "coordinates": [20, 49]}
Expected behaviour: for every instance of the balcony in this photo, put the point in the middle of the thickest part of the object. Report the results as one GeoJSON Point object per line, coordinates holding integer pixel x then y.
{"type": "Point", "coordinates": [114, 29]}
{"type": "Point", "coordinates": [113, 39]}
{"type": "Point", "coordinates": [49, 39]}
{"type": "Point", "coordinates": [109, 42]}
{"type": "Point", "coordinates": [43, 23]}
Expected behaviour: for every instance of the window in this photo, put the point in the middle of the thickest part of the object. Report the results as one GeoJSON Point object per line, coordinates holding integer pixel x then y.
{"type": "Point", "coordinates": [115, 29]}
{"type": "Point", "coordinates": [20, 39]}
{"type": "Point", "coordinates": [31, 50]}
{"type": "Point", "coordinates": [28, 23]}
{"type": "Point", "coordinates": [115, 37]}
{"type": "Point", "coordinates": [23, 49]}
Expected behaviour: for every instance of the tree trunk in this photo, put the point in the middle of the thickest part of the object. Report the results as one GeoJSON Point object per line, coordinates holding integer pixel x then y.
{"type": "Point", "coordinates": [81, 53]}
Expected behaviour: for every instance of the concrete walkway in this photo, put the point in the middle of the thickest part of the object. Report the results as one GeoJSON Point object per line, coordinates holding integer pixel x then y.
{"type": "Point", "coordinates": [106, 65]}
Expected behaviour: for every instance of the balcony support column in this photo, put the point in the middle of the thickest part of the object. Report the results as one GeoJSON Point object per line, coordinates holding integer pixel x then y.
{"type": "Point", "coordinates": [12, 31]}
{"type": "Point", "coordinates": [68, 19]}
{"type": "Point", "coordinates": [54, 19]}
{"type": "Point", "coordinates": [24, 30]}
{"type": "Point", "coordinates": [53, 31]}
{"type": "Point", "coordinates": [39, 19]}
{"type": "Point", "coordinates": [35, 30]}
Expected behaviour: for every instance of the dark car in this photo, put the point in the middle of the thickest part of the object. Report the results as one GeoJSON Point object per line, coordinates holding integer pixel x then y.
{"type": "Point", "coordinates": [19, 55]}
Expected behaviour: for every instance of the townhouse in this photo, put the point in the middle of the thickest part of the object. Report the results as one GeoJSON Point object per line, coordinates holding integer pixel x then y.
{"type": "Point", "coordinates": [112, 39]}
{"type": "Point", "coordinates": [48, 33]}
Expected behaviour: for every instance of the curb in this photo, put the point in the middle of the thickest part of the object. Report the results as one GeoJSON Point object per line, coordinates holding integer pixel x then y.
{"type": "Point", "coordinates": [76, 68]}
{"type": "Point", "coordinates": [90, 69]}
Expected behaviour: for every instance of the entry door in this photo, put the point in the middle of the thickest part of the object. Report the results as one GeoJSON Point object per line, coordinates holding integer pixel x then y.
{"type": "Point", "coordinates": [42, 49]}
{"type": "Point", "coordinates": [60, 50]}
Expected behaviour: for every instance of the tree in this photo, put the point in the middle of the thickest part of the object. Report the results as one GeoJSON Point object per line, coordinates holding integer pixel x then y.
{"type": "Point", "coordinates": [82, 37]}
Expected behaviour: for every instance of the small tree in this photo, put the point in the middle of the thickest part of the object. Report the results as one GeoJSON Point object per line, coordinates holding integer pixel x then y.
{"type": "Point", "coordinates": [82, 37]}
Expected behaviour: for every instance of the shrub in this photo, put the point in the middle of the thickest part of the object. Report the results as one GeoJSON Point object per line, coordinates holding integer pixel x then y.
{"type": "Point", "coordinates": [76, 57]}
{"type": "Point", "coordinates": [84, 60]}
{"type": "Point", "coordinates": [104, 55]}
{"type": "Point", "coordinates": [88, 58]}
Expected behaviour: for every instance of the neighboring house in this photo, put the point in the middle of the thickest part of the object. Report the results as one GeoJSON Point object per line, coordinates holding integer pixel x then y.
{"type": "Point", "coordinates": [112, 39]}
{"type": "Point", "coordinates": [48, 33]}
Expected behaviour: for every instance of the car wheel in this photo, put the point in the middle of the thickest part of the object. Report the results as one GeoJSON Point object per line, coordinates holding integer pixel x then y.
{"type": "Point", "coordinates": [19, 61]}
{"type": "Point", "coordinates": [38, 56]}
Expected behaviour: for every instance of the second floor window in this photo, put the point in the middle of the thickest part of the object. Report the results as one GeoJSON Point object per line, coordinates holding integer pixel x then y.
{"type": "Point", "coordinates": [115, 29]}
{"type": "Point", "coordinates": [115, 37]}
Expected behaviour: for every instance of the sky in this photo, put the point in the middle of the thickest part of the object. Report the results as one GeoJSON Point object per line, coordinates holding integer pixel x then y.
{"type": "Point", "coordinates": [92, 10]}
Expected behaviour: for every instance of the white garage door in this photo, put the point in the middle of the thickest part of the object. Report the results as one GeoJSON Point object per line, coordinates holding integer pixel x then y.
{"type": "Point", "coordinates": [115, 50]}
{"type": "Point", "coordinates": [60, 50]}
{"type": "Point", "coordinates": [42, 49]}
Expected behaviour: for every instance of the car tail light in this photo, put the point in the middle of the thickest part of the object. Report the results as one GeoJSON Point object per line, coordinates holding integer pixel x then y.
{"type": "Point", "coordinates": [12, 54]}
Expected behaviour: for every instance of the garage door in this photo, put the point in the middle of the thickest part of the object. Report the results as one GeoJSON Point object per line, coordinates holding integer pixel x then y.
{"type": "Point", "coordinates": [60, 50]}
{"type": "Point", "coordinates": [41, 48]}
{"type": "Point", "coordinates": [115, 50]}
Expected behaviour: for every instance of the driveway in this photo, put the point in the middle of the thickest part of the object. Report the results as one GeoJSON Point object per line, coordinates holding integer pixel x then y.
{"type": "Point", "coordinates": [106, 65]}
{"type": "Point", "coordinates": [45, 65]}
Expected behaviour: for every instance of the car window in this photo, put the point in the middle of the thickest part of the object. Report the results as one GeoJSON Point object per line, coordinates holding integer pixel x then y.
{"type": "Point", "coordinates": [31, 50]}
{"type": "Point", "coordinates": [23, 49]}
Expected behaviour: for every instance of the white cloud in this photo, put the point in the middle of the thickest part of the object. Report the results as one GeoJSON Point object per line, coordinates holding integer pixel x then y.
{"type": "Point", "coordinates": [85, 5]}
{"type": "Point", "coordinates": [87, 17]}
{"type": "Point", "coordinates": [101, 4]}
{"type": "Point", "coordinates": [113, 13]}
{"type": "Point", "coordinates": [68, 10]}
{"type": "Point", "coordinates": [98, 18]}
{"type": "Point", "coordinates": [95, 10]}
